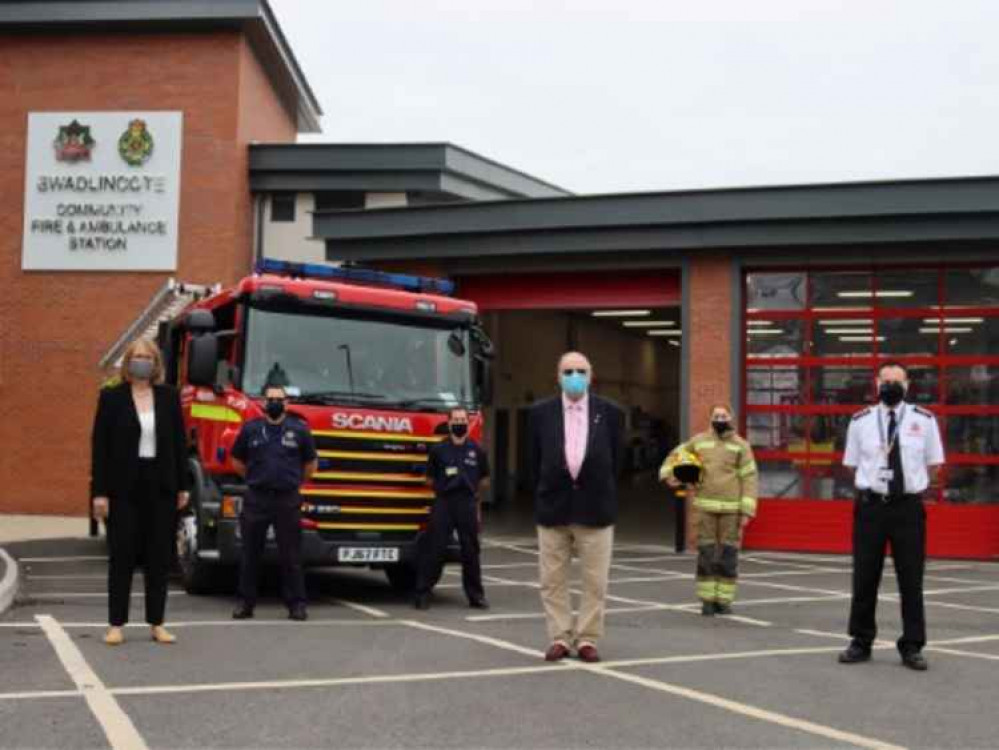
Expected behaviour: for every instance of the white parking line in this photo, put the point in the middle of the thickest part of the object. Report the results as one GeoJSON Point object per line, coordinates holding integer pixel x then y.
{"type": "Point", "coordinates": [37, 694]}
{"type": "Point", "coordinates": [497, 642]}
{"type": "Point", "coordinates": [118, 728]}
{"type": "Point", "coordinates": [48, 596]}
{"type": "Point", "coordinates": [744, 709]}
{"type": "Point", "coordinates": [82, 558]}
{"type": "Point", "coordinates": [372, 611]}
{"type": "Point", "coordinates": [958, 652]}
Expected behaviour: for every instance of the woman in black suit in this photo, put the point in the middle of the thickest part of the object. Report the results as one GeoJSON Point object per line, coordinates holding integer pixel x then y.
{"type": "Point", "coordinates": [139, 480]}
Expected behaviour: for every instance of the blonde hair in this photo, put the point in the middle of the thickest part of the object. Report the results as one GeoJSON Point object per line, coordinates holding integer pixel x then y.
{"type": "Point", "coordinates": [721, 405]}
{"type": "Point", "coordinates": [143, 346]}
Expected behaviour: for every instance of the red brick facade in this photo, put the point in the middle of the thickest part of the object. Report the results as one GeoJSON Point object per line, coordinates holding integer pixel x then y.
{"type": "Point", "coordinates": [54, 326]}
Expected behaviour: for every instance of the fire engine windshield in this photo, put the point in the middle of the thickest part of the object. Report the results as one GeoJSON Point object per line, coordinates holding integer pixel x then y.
{"type": "Point", "coordinates": [376, 362]}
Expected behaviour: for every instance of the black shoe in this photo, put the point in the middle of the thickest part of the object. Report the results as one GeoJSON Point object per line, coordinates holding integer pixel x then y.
{"type": "Point", "coordinates": [915, 660]}
{"type": "Point", "coordinates": [708, 609]}
{"type": "Point", "coordinates": [422, 601]}
{"type": "Point", "coordinates": [723, 609]}
{"type": "Point", "coordinates": [243, 611]}
{"type": "Point", "coordinates": [478, 603]}
{"type": "Point", "coordinates": [854, 654]}
{"type": "Point", "coordinates": [299, 613]}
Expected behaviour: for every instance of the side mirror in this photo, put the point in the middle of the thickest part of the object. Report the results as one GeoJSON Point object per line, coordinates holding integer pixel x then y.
{"type": "Point", "coordinates": [482, 346]}
{"type": "Point", "coordinates": [202, 360]}
{"type": "Point", "coordinates": [484, 381]}
{"type": "Point", "coordinates": [455, 344]}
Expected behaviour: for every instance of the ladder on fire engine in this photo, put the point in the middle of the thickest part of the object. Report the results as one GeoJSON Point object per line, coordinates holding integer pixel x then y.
{"type": "Point", "coordinates": [168, 301]}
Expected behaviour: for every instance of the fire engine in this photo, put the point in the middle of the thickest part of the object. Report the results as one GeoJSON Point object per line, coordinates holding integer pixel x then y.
{"type": "Point", "coordinates": [372, 360]}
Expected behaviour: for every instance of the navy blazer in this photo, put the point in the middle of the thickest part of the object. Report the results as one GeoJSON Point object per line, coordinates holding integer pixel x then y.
{"type": "Point", "coordinates": [115, 443]}
{"type": "Point", "coordinates": [590, 500]}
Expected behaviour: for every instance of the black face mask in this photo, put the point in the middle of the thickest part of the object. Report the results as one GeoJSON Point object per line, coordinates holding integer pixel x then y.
{"type": "Point", "coordinates": [459, 430]}
{"type": "Point", "coordinates": [721, 426]}
{"type": "Point", "coordinates": [891, 394]}
{"type": "Point", "coordinates": [274, 408]}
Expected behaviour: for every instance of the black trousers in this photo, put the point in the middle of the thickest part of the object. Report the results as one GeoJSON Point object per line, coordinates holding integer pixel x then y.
{"type": "Point", "coordinates": [902, 523]}
{"type": "Point", "coordinates": [448, 514]}
{"type": "Point", "coordinates": [141, 529]}
{"type": "Point", "coordinates": [282, 510]}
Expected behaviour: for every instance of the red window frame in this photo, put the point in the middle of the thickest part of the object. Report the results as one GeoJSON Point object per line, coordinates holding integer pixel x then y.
{"type": "Point", "coordinates": [879, 310]}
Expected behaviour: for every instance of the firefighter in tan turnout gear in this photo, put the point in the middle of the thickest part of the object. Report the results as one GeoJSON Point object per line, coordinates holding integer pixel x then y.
{"type": "Point", "coordinates": [725, 491]}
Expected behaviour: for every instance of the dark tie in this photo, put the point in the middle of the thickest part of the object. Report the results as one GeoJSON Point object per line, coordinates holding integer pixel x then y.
{"type": "Point", "coordinates": [896, 487]}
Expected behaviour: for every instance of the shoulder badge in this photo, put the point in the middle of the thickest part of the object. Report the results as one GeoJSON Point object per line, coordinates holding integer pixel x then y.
{"type": "Point", "coordinates": [861, 413]}
{"type": "Point", "coordinates": [924, 412]}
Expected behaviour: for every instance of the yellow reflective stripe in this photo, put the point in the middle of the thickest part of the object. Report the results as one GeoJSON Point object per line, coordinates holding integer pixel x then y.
{"type": "Point", "coordinates": [357, 476]}
{"type": "Point", "coordinates": [748, 469]}
{"type": "Point", "coordinates": [379, 436]}
{"type": "Point", "coordinates": [706, 590]}
{"type": "Point", "coordinates": [360, 456]}
{"type": "Point", "coordinates": [726, 592]}
{"type": "Point", "coordinates": [371, 526]}
{"type": "Point", "coordinates": [748, 506]}
{"type": "Point", "coordinates": [389, 511]}
{"type": "Point", "coordinates": [734, 447]}
{"type": "Point", "coordinates": [714, 505]}
{"type": "Point", "coordinates": [704, 445]}
{"type": "Point", "coordinates": [215, 413]}
{"type": "Point", "coordinates": [368, 493]}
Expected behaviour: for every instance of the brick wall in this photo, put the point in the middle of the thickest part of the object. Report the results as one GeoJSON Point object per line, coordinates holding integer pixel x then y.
{"type": "Point", "coordinates": [54, 326]}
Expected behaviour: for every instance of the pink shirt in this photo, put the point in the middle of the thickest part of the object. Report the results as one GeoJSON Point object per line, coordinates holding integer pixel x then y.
{"type": "Point", "coordinates": [577, 424]}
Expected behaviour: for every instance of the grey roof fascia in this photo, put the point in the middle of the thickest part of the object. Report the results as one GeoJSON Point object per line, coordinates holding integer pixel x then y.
{"type": "Point", "coordinates": [693, 208]}
{"type": "Point", "coordinates": [469, 164]}
{"type": "Point", "coordinates": [255, 16]}
{"type": "Point", "coordinates": [379, 182]}
{"type": "Point", "coordinates": [670, 239]}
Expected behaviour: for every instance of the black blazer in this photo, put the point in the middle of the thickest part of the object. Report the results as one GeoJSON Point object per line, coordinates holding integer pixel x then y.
{"type": "Point", "coordinates": [115, 443]}
{"type": "Point", "coordinates": [592, 499]}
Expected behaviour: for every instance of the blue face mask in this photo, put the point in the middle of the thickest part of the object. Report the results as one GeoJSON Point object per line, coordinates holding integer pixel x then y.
{"type": "Point", "coordinates": [574, 384]}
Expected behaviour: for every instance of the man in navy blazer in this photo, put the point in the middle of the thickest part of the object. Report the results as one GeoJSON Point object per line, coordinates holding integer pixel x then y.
{"type": "Point", "coordinates": [576, 443]}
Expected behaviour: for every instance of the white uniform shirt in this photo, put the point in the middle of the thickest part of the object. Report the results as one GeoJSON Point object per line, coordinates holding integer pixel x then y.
{"type": "Point", "coordinates": [867, 445]}
{"type": "Point", "coordinates": [147, 434]}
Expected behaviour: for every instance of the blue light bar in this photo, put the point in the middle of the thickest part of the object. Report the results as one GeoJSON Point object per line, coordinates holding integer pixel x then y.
{"type": "Point", "coordinates": [368, 276]}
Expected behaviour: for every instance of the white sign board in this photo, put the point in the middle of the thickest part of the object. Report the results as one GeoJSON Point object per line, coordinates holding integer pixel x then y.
{"type": "Point", "coordinates": [102, 191]}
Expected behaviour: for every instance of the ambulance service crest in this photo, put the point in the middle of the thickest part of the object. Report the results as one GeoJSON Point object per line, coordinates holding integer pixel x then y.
{"type": "Point", "coordinates": [74, 142]}
{"type": "Point", "coordinates": [136, 144]}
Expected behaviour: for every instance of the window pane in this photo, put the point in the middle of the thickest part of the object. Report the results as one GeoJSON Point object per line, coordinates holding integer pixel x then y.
{"type": "Point", "coordinates": [972, 484]}
{"type": "Point", "coordinates": [827, 433]}
{"type": "Point", "coordinates": [976, 385]}
{"type": "Point", "coordinates": [841, 289]}
{"type": "Point", "coordinates": [780, 384]}
{"type": "Point", "coordinates": [830, 481]}
{"type": "Point", "coordinates": [776, 338]}
{"type": "Point", "coordinates": [847, 337]}
{"type": "Point", "coordinates": [283, 207]}
{"type": "Point", "coordinates": [924, 385]}
{"type": "Point", "coordinates": [776, 432]}
{"type": "Point", "coordinates": [841, 384]}
{"type": "Point", "coordinates": [976, 435]}
{"type": "Point", "coordinates": [972, 287]}
{"type": "Point", "coordinates": [970, 335]}
{"type": "Point", "coordinates": [775, 291]}
{"type": "Point", "coordinates": [907, 336]}
{"type": "Point", "coordinates": [781, 479]}
{"type": "Point", "coordinates": [908, 288]}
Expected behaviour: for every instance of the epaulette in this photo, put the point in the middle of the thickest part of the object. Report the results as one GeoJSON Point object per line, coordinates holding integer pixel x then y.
{"type": "Point", "coordinates": [924, 412]}
{"type": "Point", "coordinates": [861, 413]}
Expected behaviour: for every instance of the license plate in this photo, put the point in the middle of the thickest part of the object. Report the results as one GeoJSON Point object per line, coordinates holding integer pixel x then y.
{"type": "Point", "coordinates": [368, 554]}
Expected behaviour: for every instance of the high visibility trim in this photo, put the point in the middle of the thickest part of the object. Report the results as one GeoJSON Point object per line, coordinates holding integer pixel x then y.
{"type": "Point", "coordinates": [357, 476]}
{"type": "Point", "coordinates": [714, 505]}
{"type": "Point", "coordinates": [748, 506]}
{"type": "Point", "coordinates": [388, 511]}
{"type": "Point", "coordinates": [368, 493]}
{"type": "Point", "coordinates": [726, 592]}
{"type": "Point", "coordinates": [702, 445]}
{"type": "Point", "coordinates": [734, 447]}
{"type": "Point", "coordinates": [215, 413]}
{"type": "Point", "coordinates": [748, 470]}
{"type": "Point", "coordinates": [363, 456]}
{"type": "Point", "coordinates": [371, 526]}
{"type": "Point", "coordinates": [707, 590]}
{"type": "Point", "coordinates": [379, 436]}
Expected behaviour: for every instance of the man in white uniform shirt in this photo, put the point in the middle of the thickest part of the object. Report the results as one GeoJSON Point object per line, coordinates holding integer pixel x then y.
{"type": "Point", "coordinates": [895, 449]}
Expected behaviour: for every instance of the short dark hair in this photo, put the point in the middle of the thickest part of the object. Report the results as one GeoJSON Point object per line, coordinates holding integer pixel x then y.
{"type": "Point", "coordinates": [455, 410]}
{"type": "Point", "coordinates": [892, 363]}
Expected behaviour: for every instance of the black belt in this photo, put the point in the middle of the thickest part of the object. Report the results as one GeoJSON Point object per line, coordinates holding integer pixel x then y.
{"type": "Point", "coordinates": [872, 496]}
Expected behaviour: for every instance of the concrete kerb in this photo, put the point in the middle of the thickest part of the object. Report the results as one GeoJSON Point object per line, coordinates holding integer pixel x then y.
{"type": "Point", "coordinates": [9, 582]}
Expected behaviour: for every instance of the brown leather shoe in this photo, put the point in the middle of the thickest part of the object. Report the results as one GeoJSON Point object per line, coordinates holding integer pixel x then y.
{"type": "Point", "coordinates": [557, 652]}
{"type": "Point", "coordinates": [588, 653]}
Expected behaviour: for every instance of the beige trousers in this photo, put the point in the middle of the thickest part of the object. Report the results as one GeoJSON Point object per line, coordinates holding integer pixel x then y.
{"type": "Point", "coordinates": [593, 546]}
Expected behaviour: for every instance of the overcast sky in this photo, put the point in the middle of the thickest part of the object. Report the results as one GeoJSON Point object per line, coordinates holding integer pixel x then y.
{"type": "Point", "coordinates": [609, 96]}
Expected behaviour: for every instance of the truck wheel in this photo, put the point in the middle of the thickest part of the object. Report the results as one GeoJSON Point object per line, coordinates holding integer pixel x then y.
{"type": "Point", "coordinates": [402, 577]}
{"type": "Point", "coordinates": [197, 576]}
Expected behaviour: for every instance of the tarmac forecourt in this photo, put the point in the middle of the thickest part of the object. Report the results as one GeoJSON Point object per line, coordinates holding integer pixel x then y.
{"type": "Point", "coordinates": [369, 671]}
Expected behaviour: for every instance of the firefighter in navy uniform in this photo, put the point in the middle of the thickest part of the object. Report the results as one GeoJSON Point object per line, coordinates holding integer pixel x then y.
{"type": "Point", "coordinates": [895, 449]}
{"type": "Point", "coordinates": [275, 454]}
{"type": "Point", "coordinates": [459, 471]}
